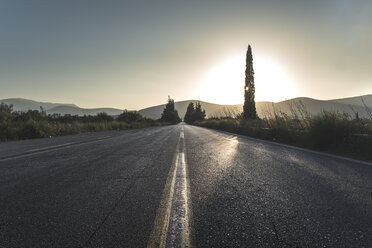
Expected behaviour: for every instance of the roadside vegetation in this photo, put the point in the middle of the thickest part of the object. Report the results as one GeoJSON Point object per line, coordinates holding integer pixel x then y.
{"type": "Point", "coordinates": [194, 114]}
{"type": "Point", "coordinates": [170, 114]}
{"type": "Point", "coordinates": [333, 132]}
{"type": "Point", "coordinates": [15, 125]}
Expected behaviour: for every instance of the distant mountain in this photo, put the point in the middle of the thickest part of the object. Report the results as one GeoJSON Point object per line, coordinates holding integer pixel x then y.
{"type": "Point", "coordinates": [20, 104]}
{"type": "Point", "coordinates": [62, 110]}
{"type": "Point", "coordinates": [349, 105]}
{"type": "Point", "coordinates": [346, 105]}
{"type": "Point", "coordinates": [314, 106]}
{"type": "Point", "coordinates": [357, 100]}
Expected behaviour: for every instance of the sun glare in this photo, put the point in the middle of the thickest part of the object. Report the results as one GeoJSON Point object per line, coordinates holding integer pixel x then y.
{"type": "Point", "coordinates": [224, 83]}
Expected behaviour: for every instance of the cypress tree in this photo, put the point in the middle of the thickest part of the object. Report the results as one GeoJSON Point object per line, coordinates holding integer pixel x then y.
{"type": "Point", "coordinates": [194, 113]}
{"type": "Point", "coordinates": [199, 113]}
{"type": "Point", "coordinates": [249, 89]}
{"type": "Point", "coordinates": [189, 111]}
{"type": "Point", "coordinates": [170, 114]}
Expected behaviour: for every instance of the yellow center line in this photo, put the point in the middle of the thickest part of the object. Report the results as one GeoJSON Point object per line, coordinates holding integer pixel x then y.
{"type": "Point", "coordinates": [165, 232]}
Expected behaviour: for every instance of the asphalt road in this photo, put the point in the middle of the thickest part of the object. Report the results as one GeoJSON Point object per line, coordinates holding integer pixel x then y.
{"type": "Point", "coordinates": [114, 189]}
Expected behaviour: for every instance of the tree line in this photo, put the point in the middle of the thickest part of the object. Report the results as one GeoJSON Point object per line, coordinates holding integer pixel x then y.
{"type": "Point", "coordinates": [193, 113]}
{"type": "Point", "coordinates": [15, 125]}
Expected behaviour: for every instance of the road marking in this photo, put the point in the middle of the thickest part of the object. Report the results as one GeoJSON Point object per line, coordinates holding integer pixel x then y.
{"type": "Point", "coordinates": [50, 147]}
{"type": "Point", "coordinates": [179, 223]}
{"type": "Point", "coordinates": [36, 151]}
{"type": "Point", "coordinates": [104, 137]}
{"type": "Point", "coordinates": [65, 144]}
{"type": "Point", "coordinates": [172, 222]}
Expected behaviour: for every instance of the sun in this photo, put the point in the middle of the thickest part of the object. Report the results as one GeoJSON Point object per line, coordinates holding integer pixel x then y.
{"type": "Point", "coordinates": [224, 83]}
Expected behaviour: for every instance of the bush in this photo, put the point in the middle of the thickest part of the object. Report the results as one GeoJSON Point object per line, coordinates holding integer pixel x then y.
{"type": "Point", "coordinates": [230, 125]}
{"type": "Point", "coordinates": [329, 128]}
{"type": "Point", "coordinates": [5, 112]}
{"type": "Point", "coordinates": [103, 117]}
{"type": "Point", "coordinates": [5, 132]}
{"type": "Point", "coordinates": [36, 124]}
{"type": "Point", "coordinates": [129, 116]}
{"type": "Point", "coordinates": [31, 131]}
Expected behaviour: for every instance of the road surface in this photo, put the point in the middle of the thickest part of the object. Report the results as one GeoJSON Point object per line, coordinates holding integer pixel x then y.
{"type": "Point", "coordinates": [179, 186]}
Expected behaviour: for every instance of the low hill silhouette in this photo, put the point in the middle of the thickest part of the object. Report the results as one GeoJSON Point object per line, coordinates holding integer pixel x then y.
{"type": "Point", "coordinates": [82, 111]}
{"type": "Point", "coordinates": [349, 105]}
{"type": "Point", "coordinates": [21, 104]}
{"type": "Point", "coordinates": [345, 105]}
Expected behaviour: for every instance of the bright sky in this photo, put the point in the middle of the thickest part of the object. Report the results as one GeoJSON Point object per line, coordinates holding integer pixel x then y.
{"type": "Point", "coordinates": [133, 54]}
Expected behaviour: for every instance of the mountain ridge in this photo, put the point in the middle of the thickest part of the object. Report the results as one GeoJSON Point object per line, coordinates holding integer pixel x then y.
{"type": "Point", "coordinates": [349, 105]}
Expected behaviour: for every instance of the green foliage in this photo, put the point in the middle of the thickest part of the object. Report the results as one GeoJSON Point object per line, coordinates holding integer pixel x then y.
{"type": "Point", "coordinates": [329, 128]}
{"type": "Point", "coordinates": [5, 132]}
{"type": "Point", "coordinates": [36, 124]}
{"type": "Point", "coordinates": [328, 131]}
{"type": "Point", "coordinates": [129, 116]}
{"type": "Point", "coordinates": [247, 127]}
{"type": "Point", "coordinates": [190, 109]}
{"type": "Point", "coordinates": [104, 117]}
{"type": "Point", "coordinates": [5, 112]}
{"type": "Point", "coordinates": [194, 114]}
{"type": "Point", "coordinates": [199, 113]}
{"type": "Point", "coordinates": [32, 130]}
{"type": "Point", "coordinates": [170, 114]}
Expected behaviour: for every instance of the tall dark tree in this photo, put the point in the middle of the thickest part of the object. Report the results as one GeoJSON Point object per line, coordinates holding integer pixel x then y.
{"type": "Point", "coordinates": [189, 111]}
{"type": "Point", "coordinates": [249, 89]}
{"type": "Point", "coordinates": [170, 114]}
{"type": "Point", "coordinates": [194, 114]}
{"type": "Point", "coordinates": [199, 113]}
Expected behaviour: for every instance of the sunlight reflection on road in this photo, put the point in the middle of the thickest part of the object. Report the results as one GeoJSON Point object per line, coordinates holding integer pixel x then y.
{"type": "Point", "coordinates": [222, 158]}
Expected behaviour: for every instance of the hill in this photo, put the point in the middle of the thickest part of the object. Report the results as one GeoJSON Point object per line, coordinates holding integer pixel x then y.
{"type": "Point", "coordinates": [62, 110]}
{"type": "Point", "coordinates": [314, 106]}
{"type": "Point", "coordinates": [357, 100]}
{"type": "Point", "coordinates": [21, 104]}
{"type": "Point", "coordinates": [349, 105]}
{"type": "Point", "coordinates": [346, 105]}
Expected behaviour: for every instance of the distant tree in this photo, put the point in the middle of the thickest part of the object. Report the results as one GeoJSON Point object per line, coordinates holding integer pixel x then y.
{"type": "Point", "coordinates": [43, 112]}
{"type": "Point", "coordinates": [199, 113]}
{"type": "Point", "coordinates": [5, 112]}
{"type": "Point", "coordinates": [31, 115]}
{"type": "Point", "coordinates": [104, 117]}
{"type": "Point", "coordinates": [129, 116]}
{"type": "Point", "coordinates": [194, 114]}
{"type": "Point", "coordinates": [170, 114]}
{"type": "Point", "coordinates": [190, 110]}
{"type": "Point", "coordinates": [249, 107]}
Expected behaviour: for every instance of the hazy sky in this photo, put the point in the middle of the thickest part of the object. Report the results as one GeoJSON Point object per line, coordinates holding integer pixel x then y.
{"type": "Point", "coordinates": [134, 54]}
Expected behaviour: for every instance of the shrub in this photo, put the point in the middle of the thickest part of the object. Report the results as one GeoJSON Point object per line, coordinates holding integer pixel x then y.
{"type": "Point", "coordinates": [129, 116]}
{"type": "Point", "coordinates": [31, 131]}
{"type": "Point", "coordinates": [103, 117]}
{"type": "Point", "coordinates": [5, 132]}
{"type": "Point", "coordinates": [5, 112]}
{"type": "Point", "coordinates": [329, 128]}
